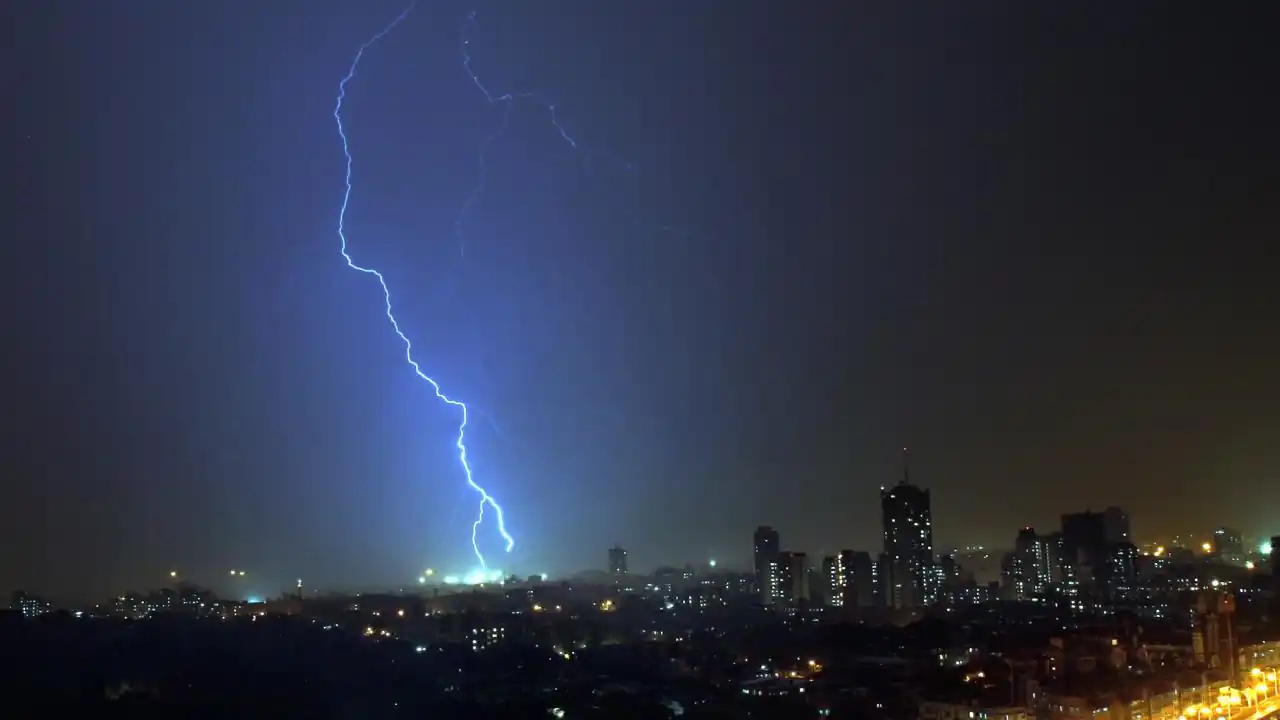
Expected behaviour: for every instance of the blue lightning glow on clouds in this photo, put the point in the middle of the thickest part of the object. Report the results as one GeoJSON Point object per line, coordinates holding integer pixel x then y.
{"type": "Point", "coordinates": [460, 443]}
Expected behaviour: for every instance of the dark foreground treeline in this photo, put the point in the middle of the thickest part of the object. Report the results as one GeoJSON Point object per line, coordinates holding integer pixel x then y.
{"type": "Point", "coordinates": [281, 668]}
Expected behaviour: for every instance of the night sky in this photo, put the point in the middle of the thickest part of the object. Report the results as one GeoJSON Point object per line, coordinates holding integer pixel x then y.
{"type": "Point", "coordinates": [1032, 241]}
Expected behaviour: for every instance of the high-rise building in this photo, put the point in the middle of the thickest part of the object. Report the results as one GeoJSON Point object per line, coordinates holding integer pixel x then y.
{"type": "Point", "coordinates": [1059, 570]}
{"type": "Point", "coordinates": [1115, 526]}
{"type": "Point", "coordinates": [835, 581]}
{"type": "Point", "coordinates": [861, 580]}
{"type": "Point", "coordinates": [789, 578]}
{"type": "Point", "coordinates": [765, 552]}
{"type": "Point", "coordinates": [617, 561]}
{"type": "Point", "coordinates": [1228, 545]}
{"type": "Point", "coordinates": [949, 574]}
{"type": "Point", "coordinates": [1122, 573]}
{"type": "Point", "coordinates": [908, 543]}
{"type": "Point", "coordinates": [1030, 565]}
{"type": "Point", "coordinates": [30, 605]}
{"type": "Point", "coordinates": [1084, 539]}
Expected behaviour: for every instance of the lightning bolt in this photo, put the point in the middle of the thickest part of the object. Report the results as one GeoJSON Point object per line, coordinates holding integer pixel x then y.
{"type": "Point", "coordinates": [460, 443]}
{"type": "Point", "coordinates": [508, 101]}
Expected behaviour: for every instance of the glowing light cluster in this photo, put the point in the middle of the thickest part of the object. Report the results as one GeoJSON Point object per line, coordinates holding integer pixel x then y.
{"type": "Point", "coordinates": [460, 442]}
{"type": "Point", "coordinates": [477, 576]}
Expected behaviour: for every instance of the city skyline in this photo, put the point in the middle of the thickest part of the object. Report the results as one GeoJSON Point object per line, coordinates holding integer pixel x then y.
{"type": "Point", "coordinates": [1010, 242]}
{"type": "Point", "coordinates": [263, 584]}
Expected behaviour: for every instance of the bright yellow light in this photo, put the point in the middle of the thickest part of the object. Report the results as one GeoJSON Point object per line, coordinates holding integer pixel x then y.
{"type": "Point", "coordinates": [1255, 672]}
{"type": "Point", "coordinates": [1248, 565]}
{"type": "Point", "coordinates": [1260, 687]}
{"type": "Point", "coordinates": [1206, 547]}
{"type": "Point", "coordinates": [1159, 551]}
{"type": "Point", "coordinates": [400, 613]}
{"type": "Point", "coordinates": [429, 572]}
{"type": "Point", "coordinates": [537, 607]}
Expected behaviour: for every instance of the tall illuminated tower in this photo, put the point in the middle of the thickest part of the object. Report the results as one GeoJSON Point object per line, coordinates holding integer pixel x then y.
{"type": "Point", "coordinates": [765, 552]}
{"type": "Point", "coordinates": [908, 542]}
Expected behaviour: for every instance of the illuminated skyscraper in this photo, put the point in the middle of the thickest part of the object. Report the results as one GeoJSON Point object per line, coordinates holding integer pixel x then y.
{"type": "Point", "coordinates": [789, 578]}
{"type": "Point", "coordinates": [765, 551]}
{"type": "Point", "coordinates": [835, 580]}
{"type": "Point", "coordinates": [1031, 564]}
{"type": "Point", "coordinates": [908, 543]}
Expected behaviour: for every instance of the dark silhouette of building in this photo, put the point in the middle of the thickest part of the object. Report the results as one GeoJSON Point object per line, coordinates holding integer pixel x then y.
{"type": "Point", "coordinates": [1228, 544]}
{"type": "Point", "coordinates": [765, 553]}
{"type": "Point", "coordinates": [908, 543]}
{"type": "Point", "coordinates": [860, 579]}
{"type": "Point", "coordinates": [1084, 539]}
{"type": "Point", "coordinates": [1115, 526]}
{"type": "Point", "coordinates": [617, 561]}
